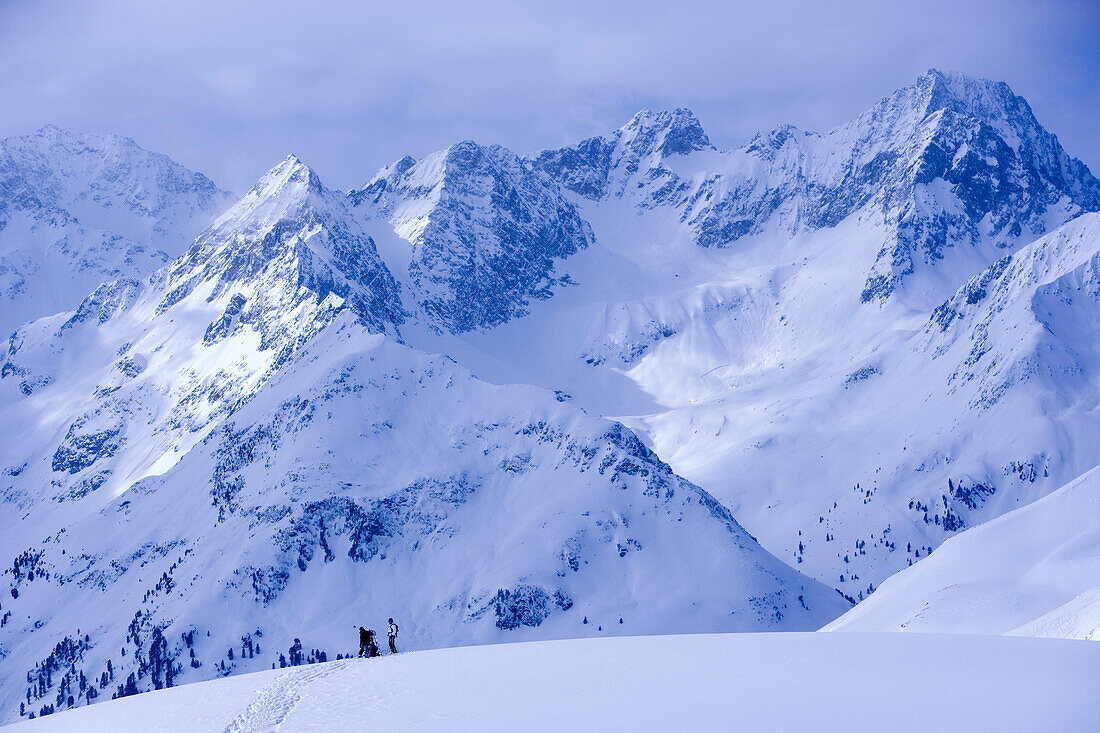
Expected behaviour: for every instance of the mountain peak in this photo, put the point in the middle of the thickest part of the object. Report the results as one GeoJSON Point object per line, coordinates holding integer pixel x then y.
{"type": "Point", "coordinates": [676, 132]}
{"type": "Point", "coordinates": [293, 241]}
{"type": "Point", "coordinates": [283, 191]}
{"type": "Point", "coordinates": [289, 197]}
{"type": "Point", "coordinates": [74, 145]}
{"type": "Point", "coordinates": [290, 174]}
{"type": "Point", "coordinates": [54, 132]}
{"type": "Point", "coordinates": [768, 144]}
{"type": "Point", "coordinates": [51, 129]}
{"type": "Point", "coordinates": [990, 102]}
{"type": "Point", "coordinates": [467, 153]}
{"type": "Point", "coordinates": [100, 207]}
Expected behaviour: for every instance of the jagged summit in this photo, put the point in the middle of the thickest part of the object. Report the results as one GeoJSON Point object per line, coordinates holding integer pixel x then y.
{"type": "Point", "coordinates": [1008, 179]}
{"type": "Point", "coordinates": [945, 163]}
{"type": "Point", "coordinates": [429, 173]}
{"type": "Point", "coordinates": [767, 145]}
{"type": "Point", "coordinates": [291, 171]}
{"type": "Point", "coordinates": [289, 239]}
{"type": "Point", "coordinates": [284, 190]}
{"type": "Point", "coordinates": [59, 164]}
{"type": "Point", "coordinates": [938, 100]}
{"type": "Point", "coordinates": [978, 97]}
{"type": "Point", "coordinates": [600, 166]}
{"type": "Point", "coordinates": [465, 149]}
{"type": "Point", "coordinates": [676, 132]}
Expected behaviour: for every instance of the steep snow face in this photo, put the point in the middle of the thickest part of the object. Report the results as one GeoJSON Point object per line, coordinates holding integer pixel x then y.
{"type": "Point", "coordinates": [78, 209]}
{"type": "Point", "coordinates": [238, 451]}
{"type": "Point", "coordinates": [1034, 571]}
{"type": "Point", "coordinates": [1031, 316]}
{"type": "Point", "coordinates": [484, 232]}
{"type": "Point", "coordinates": [858, 457]}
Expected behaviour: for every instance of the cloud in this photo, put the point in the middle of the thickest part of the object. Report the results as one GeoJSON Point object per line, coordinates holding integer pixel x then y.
{"type": "Point", "coordinates": [231, 87]}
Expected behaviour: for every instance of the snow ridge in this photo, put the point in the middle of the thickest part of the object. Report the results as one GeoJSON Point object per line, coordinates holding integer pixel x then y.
{"type": "Point", "coordinates": [948, 161]}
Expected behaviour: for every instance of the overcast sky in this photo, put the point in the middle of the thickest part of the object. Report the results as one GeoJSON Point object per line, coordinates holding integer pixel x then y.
{"type": "Point", "coordinates": [230, 88]}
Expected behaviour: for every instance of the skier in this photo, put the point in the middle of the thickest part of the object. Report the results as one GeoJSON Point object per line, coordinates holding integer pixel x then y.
{"type": "Point", "coordinates": [364, 641]}
{"type": "Point", "coordinates": [372, 645]}
{"type": "Point", "coordinates": [393, 637]}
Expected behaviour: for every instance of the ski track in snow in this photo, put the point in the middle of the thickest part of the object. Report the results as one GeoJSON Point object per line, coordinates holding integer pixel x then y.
{"type": "Point", "coordinates": [276, 701]}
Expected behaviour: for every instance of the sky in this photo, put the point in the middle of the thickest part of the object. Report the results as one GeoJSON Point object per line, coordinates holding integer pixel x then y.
{"type": "Point", "coordinates": [230, 88]}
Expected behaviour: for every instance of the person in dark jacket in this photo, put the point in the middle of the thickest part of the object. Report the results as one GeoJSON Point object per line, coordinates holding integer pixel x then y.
{"type": "Point", "coordinates": [393, 637]}
{"type": "Point", "coordinates": [364, 641]}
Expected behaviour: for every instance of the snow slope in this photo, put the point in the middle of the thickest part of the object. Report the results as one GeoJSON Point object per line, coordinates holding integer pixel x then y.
{"type": "Point", "coordinates": [758, 682]}
{"type": "Point", "coordinates": [1033, 572]}
{"type": "Point", "coordinates": [78, 209]}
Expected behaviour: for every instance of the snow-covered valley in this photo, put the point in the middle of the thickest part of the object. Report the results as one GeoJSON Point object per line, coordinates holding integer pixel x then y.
{"type": "Point", "coordinates": [637, 385]}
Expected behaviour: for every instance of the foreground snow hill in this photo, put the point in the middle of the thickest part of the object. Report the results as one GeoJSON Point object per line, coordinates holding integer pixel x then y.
{"type": "Point", "coordinates": [1033, 572]}
{"type": "Point", "coordinates": [751, 682]}
{"type": "Point", "coordinates": [236, 462]}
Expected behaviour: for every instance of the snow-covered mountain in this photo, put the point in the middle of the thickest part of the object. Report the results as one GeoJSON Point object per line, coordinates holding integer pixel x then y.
{"type": "Point", "coordinates": [337, 407]}
{"type": "Point", "coordinates": [77, 209]}
{"type": "Point", "coordinates": [239, 452]}
{"type": "Point", "coordinates": [1032, 572]}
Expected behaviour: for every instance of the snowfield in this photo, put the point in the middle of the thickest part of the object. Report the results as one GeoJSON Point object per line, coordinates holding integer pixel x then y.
{"type": "Point", "coordinates": [752, 682]}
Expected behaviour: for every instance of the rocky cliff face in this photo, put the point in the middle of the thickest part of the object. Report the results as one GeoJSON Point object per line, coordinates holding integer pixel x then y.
{"type": "Point", "coordinates": [602, 166]}
{"type": "Point", "coordinates": [485, 232]}
{"type": "Point", "coordinates": [293, 246]}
